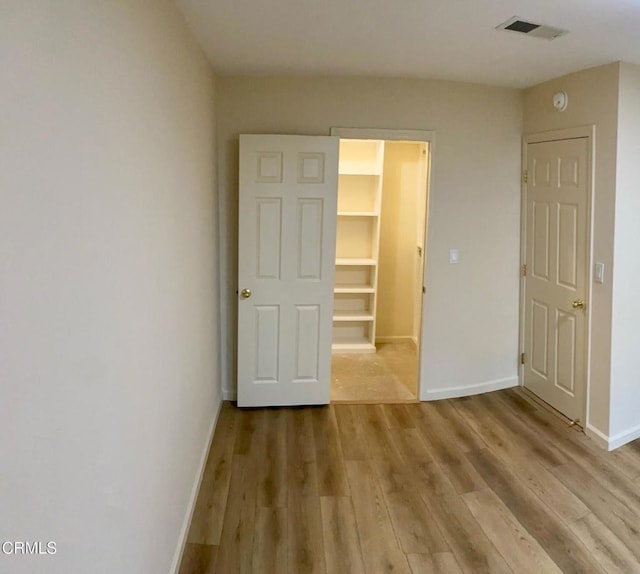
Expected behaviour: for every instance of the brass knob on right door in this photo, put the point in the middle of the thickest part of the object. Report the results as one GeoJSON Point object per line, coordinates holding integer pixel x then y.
{"type": "Point", "coordinates": [578, 304]}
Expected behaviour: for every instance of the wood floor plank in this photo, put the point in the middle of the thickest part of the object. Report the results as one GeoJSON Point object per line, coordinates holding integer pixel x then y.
{"type": "Point", "coordinates": [208, 515]}
{"type": "Point", "coordinates": [606, 547]}
{"type": "Point", "coordinates": [236, 544]}
{"type": "Point", "coordinates": [625, 458]}
{"type": "Point", "coordinates": [272, 485]}
{"type": "Point", "coordinates": [342, 549]}
{"type": "Point", "coordinates": [604, 466]}
{"type": "Point", "coordinates": [520, 550]}
{"type": "Point", "coordinates": [375, 428]}
{"type": "Point", "coordinates": [300, 429]}
{"type": "Point", "coordinates": [620, 519]}
{"type": "Point", "coordinates": [305, 550]}
{"type": "Point", "coordinates": [409, 514]}
{"type": "Point", "coordinates": [617, 464]}
{"type": "Point", "coordinates": [421, 563]}
{"type": "Point", "coordinates": [380, 548]}
{"type": "Point", "coordinates": [249, 430]}
{"type": "Point", "coordinates": [576, 444]}
{"type": "Point", "coordinates": [445, 450]}
{"type": "Point", "coordinates": [494, 483]}
{"type": "Point", "coordinates": [411, 448]}
{"type": "Point", "coordinates": [529, 436]}
{"type": "Point", "coordinates": [198, 559]}
{"type": "Point", "coordinates": [623, 488]}
{"type": "Point", "coordinates": [302, 475]}
{"type": "Point", "coordinates": [446, 563]}
{"type": "Point", "coordinates": [270, 540]}
{"type": "Point", "coordinates": [439, 563]}
{"type": "Point", "coordinates": [397, 416]}
{"type": "Point", "coordinates": [536, 476]}
{"type": "Point", "coordinates": [305, 538]}
{"type": "Point", "coordinates": [634, 446]}
{"type": "Point", "coordinates": [332, 480]}
{"type": "Point", "coordinates": [352, 436]}
{"type": "Point", "coordinates": [553, 535]}
{"type": "Point", "coordinates": [473, 551]}
{"type": "Point", "coordinates": [401, 485]}
{"type": "Point", "coordinates": [464, 435]}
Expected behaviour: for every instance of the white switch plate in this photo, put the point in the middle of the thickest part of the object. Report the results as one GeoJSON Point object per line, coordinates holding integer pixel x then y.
{"type": "Point", "coordinates": [598, 273]}
{"type": "Point", "coordinates": [453, 255]}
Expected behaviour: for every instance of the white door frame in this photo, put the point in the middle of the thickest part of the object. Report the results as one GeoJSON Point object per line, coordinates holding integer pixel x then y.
{"type": "Point", "coordinates": [588, 132]}
{"type": "Point", "coordinates": [426, 136]}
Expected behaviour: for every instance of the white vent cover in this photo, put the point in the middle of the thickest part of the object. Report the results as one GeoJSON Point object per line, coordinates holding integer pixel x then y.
{"type": "Point", "coordinates": [528, 28]}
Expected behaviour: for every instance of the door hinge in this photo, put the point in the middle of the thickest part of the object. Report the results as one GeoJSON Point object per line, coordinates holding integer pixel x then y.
{"type": "Point", "coordinates": [525, 176]}
{"type": "Point", "coordinates": [522, 358]}
{"type": "Point", "coordinates": [424, 289]}
{"type": "Point", "coordinates": [523, 269]}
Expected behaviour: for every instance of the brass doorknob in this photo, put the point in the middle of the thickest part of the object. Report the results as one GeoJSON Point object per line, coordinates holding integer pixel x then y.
{"type": "Point", "coordinates": [245, 293]}
{"type": "Point", "coordinates": [578, 304]}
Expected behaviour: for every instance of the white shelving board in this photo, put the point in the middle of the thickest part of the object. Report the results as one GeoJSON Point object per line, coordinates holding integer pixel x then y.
{"type": "Point", "coordinates": [356, 261]}
{"type": "Point", "coordinates": [357, 214]}
{"type": "Point", "coordinates": [348, 288]}
{"type": "Point", "coordinates": [357, 245]}
{"type": "Point", "coordinates": [353, 316]}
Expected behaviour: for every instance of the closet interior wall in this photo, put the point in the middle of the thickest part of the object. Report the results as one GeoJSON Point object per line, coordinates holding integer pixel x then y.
{"type": "Point", "coordinates": [401, 242]}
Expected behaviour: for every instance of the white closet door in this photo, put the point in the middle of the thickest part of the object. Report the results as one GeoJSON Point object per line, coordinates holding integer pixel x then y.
{"type": "Point", "coordinates": [556, 283]}
{"type": "Point", "coordinates": [286, 250]}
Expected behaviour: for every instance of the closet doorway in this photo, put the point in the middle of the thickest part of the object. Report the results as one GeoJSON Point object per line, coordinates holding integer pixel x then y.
{"type": "Point", "coordinates": [383, 193]}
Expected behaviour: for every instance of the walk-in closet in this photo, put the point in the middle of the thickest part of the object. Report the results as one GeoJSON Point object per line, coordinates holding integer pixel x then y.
{"type": "Point", "coordinates": [380, 248]}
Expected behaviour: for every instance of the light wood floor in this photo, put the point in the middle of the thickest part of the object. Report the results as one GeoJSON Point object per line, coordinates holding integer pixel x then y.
{"type": "Point", "coordinates": [492, 483]}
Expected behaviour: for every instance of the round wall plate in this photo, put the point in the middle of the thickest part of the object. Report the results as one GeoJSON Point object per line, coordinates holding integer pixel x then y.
{"type": "Point", "coordinates": [560, 101]}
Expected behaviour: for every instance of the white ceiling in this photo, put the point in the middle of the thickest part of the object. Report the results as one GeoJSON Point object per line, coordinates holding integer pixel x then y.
{"type": "Point", "coordinates": [444, 39]}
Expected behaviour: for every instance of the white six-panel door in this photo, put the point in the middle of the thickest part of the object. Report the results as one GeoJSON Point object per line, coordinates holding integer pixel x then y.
{"type": "Point", "coordinates": [556, 279]}
{"type": "Point", "coordinates": [286, 249]}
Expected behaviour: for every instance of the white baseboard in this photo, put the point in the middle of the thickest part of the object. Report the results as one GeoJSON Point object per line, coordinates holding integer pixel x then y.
{"type": "Point", "coordinates": [184, 532]}
{"type": "Point", "coordinates": [612, 442]}
{"type": "Point", "coordinates": [468, 390]}
{"type": "Point", "coordinates": [622, 438]}
{"type": "Point", "coordinates": [229, 395]}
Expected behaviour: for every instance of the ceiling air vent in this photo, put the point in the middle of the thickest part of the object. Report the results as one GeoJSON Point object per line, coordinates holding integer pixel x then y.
{"type": "Point", "coordinates": [522, 26]}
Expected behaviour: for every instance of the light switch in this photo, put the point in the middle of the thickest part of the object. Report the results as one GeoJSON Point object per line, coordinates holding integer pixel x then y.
{"type": "Point", "coordinates": [598, 273]}
{"type": "Point", "coordinates": [453, 255]}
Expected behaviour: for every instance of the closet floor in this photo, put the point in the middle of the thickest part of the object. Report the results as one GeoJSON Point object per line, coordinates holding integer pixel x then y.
{"type": "Point", "coordinates": [389, 375]}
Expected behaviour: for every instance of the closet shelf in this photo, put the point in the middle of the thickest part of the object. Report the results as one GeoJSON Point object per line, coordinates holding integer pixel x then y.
{"type": "Point", "coordinates": [354, 289]}
{"type": "Point", "coordinates": [357, 214]}
{"type": "Point", "coordinates": [355, 168]}
{"type": "Point", "coordinates": [352, 345]}
{"type": "Point", "coordinates": [355, 261]}
{"type": "Point", "coordinates": [353, 316]}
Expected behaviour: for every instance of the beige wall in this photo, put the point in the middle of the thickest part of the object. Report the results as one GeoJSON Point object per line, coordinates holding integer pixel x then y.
{"type": "Point", "coordinates": [593, 99]}
{"type": "Point", "coordinates": [398, 240]}
{"type": "Point", "coordinates": [471, 309]}
{"type": "Point", "coordinates": [108, 297]}
{"type": "Point", "coordinates": [625, 343]}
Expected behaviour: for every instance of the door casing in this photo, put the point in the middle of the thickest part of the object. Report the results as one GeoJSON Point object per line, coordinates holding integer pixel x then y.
{"type": "Point", "coordinates": [588, 132]}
